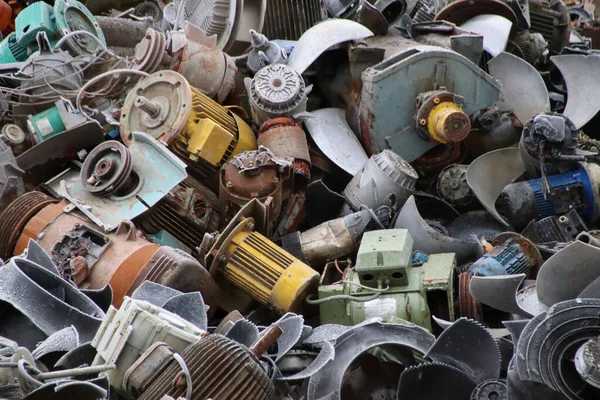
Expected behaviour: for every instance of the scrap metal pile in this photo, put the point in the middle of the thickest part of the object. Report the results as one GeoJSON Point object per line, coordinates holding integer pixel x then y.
{"type": "Point", "coordinates": [299, 200]}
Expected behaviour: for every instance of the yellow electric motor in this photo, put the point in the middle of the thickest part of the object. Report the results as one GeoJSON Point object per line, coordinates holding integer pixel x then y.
{"type": "Point", "coordinates": [200, 131]}
{"type": "Point", "coordinates": [263, 270]}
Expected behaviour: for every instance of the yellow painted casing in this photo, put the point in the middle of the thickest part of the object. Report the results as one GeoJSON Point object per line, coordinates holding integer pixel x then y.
{"type": "Point", "coordinates": [267, 273]}
{"type": "Point", "coordinates": [437, 119]}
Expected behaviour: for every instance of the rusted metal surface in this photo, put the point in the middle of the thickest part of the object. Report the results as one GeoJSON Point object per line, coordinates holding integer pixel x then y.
{"type": "Point", "coordinates": [177, 270]}
{"type": "Point", "coordinates": [529, 249]}
{"type": "Point", "coordinates": [147, 368]}
{"type": "Point", "coordinates": [286, 139]}
{"type": "Point", "coordinates": [122, 32]}
{"type": "Point", "coordinates": [188, 212]}
{"type": "Point", "coordinates": [459, 12]}
{"type": "Point", "coordinates": [220, 369]}
{"type": "Point", "coordinates": [467, 305]}
{"type": "Point", "coordinates": [267, 338]}
{"type": "Point", "coordinates": [14, 218]}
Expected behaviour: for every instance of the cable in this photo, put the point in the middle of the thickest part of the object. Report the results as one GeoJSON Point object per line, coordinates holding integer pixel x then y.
{"type": "Point", "coordinates": [100, 77]}
{"type": "Point", "coordinates": [186, 372]}
{"type": "Point", "coordinates": [71, 34]}
{"type": "Point", "coordinates": [378, 292]}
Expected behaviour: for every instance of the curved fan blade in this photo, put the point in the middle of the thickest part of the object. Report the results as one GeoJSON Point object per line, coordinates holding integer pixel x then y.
{"type": "Point", "coordinates": [523, 88]}
{"type": "Point", "coordinates": [244, 332]}
{"type": "Point", "coordinates": [154, 293]}
{"type": "Point", "coordinates": [36, 254]}
{"type": "Point", "coordinates": [490, 173]}
{"type": "Point", "coordinates": [434, 381]}
{"type": "Point", "coordinates": [468, 346]}
{"type": "Point", "coordinates": [592, 291]}
{"type": "Point", "coordinates": [581, 74]}
{"type": "Point", "coordinates": [430, 241]}
{"type": "Point", "coordinates": [189, 306]}
{"type": "Point", "coordinates": [567, 273]}
{"type": "Point", "coordinates": [528, 390]}
{"type": "Point", "coordinates": [64, 340]}
{"type": "Point", "coordinates": [291, 325]}
{"type": "Point", "coordinates": [494, 29]}
{"type": "Point", "coordinates": [102, 297]}
{"type": "Point", "coordinates": [326, 354]}
{"type": "Point", "coordinates": [321, 37]}
{"type": "Point", "coordinates": [515, 328]}
{"type": "Point", "coordinates": [80, 355]}
{"type": "Point", "coordinates": [330, 131]}
{"type": "Point", "coordinates": [499, 292]}
{"type": "Point", "coordinates": [325, 333]}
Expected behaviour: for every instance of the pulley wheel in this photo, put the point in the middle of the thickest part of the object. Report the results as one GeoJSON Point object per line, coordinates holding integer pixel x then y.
{"type": "Point", "coordinates": [106, 169]}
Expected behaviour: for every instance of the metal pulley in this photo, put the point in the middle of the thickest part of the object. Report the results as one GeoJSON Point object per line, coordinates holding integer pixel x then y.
{"type": "Point", "coordinates": [107, 169]}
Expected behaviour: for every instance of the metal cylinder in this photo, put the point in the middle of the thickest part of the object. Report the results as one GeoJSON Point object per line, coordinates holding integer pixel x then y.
{"type": "Point", "coordinates": [286, 139]}
{"type": "Point", "coordinates": [587, 361]}
{"type": "Point", "coordinates": [386, 179]}
{"type": "Point", "coordinates": [123, 32]}
{"type": "Point", "coordinates": [289, 19]}
{"type": "Point", "coordinates": [449, 122]}
{"type": "Point", "coordinates": [219, 368]}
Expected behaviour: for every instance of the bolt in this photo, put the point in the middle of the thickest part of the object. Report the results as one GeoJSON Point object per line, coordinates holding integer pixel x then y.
{"type": "Point", "coordinates": [229, 184]}
{"type": "Point", "coordinates": [92, 180]}
{"type": "Point", "coordinates": [423, 121]}
{"type": "Point", "coordinates": [150, 108]}
{"type": "Point", "coordinates": [436, 100]}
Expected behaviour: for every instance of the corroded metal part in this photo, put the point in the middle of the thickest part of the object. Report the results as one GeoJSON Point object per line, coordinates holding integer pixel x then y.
{"type": "Point", "coordinates": [220, 368]}
{"type": "Point", "coordinates": [15, 217]}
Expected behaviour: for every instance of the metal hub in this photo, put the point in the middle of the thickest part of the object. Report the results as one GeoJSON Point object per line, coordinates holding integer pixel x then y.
{"type": "Point", "coordinates": [587, 361]}
{"type": "Point", "coordinates": [492, 389]}
{"type": "Point", "coordinates": [277, 88]}
{"type": "Point", "coordinates": [107, 168]}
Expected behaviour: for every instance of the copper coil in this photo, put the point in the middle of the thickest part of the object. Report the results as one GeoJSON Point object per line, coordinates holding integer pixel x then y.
{"type": "Point", "coordinates": [468, 306]}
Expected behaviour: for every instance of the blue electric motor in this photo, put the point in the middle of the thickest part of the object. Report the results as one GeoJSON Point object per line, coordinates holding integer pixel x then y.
{"type": "Point", "coordinates": [522, 202]}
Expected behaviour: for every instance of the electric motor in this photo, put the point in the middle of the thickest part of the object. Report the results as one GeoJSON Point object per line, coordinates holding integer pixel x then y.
{"type": "Point", "coordinates": [536, 199]}
{"type": "Point", "coordinates": [201, 132]}
{"type": "Point", "coordinates": [259, 267]}
{"type": "Point", "coordinates": [386, 179]}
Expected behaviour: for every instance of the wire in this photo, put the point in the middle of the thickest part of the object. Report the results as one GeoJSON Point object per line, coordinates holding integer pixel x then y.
{"type": "Point", "coordinates": [186, 372]}
{"type": "Point", "coordinates": [361, 299]}
{"type": "Point", "coordinates": [338, 267]}
{"type": "Point", "coordinates": [372, 214]}
{"type": "Point", "coordinates": [100, 77]}
{"type": "Point", "coordinates": [71, 34]}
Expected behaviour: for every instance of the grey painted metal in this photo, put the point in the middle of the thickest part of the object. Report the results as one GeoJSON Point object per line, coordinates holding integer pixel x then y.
{"type": "Point", "coordinates": [494, 29]}
{"type": "Point", "coordinates": [390, 88]}
{"type": "Point", "coordinates": [321, 37]}
{"type": "Point", "coordinates": [490, 173]}
{"type": "Point", "coordinates": [330, 131]}
{"type": "Point", "coordinates": [292, 326]}
{"type": "Point", "coordinates": [523, 88]}
{"type": "Point", "coordinates": [429, 240]}
{"type": "Point", "coordinates": [434, 381]}
{"type": "Point", "coordinates": [582, 77]}
{"type": "Point", "coordinates": [567, 273]}
{"type": "Point", "coordinates": [244, 332]}
{"type": "Point", "coordinates": [326, 384]}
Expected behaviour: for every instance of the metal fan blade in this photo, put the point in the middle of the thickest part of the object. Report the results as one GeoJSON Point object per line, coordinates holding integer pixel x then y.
{"type": "Point", "coordinates": [326, 354]}
{"type": "Point", "coordinates": [36, 254]}
{"type": "Point", "coordinates": [434, 381]}
{"type": "Point", "coordinates": [567, 273]}
{"type": "Point", "coordinates": [102, 297]}
{"type": "Point", "coordinates": [154, 293]}
{"type": "Point", "coordinates": [523, 88]}
{"type": "Point", "coordinates": [581, 74]}
{"type": "Point", "coordinates": [528, 390]}
{"type": "Point", "coordinates": [592, 291]}
{"type": "Point", "coordinates": [330, 131]}
{"type": "Point", "coordinates": [189, 306]}
{"type": "Point", "coordinates": [321, 37]}
{"type": "Point", "coordinates": [467, 345]}
{"type": "Point", "coordinates": [494, 29]}
{"type": "Point", "coordinates": [515, 328]}
{"type": "Point", "coordinates": [244, 332]}
{"type": "Point", "coordinates": [292, 326]}
{"type": "Point", "coordinates": [64, 341]}
{"type": "Point", "coordinates": [430, 241]}
{"type": "Point", "coordinates": [499, 292]}
{"type": "Point", "coordinates": [490, 173]}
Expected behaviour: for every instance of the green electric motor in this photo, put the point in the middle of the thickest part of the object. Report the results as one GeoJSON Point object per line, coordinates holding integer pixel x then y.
{"type": "Point", "coordinates": [385, 283]}
{"type": "Point", "coordinates": [54, 121]}
{"type": "Point", "coordinates": [56, 22]}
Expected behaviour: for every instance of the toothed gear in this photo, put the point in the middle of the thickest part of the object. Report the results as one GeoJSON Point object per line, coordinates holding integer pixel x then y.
{"type": "Point", "coordinates": [548, 345]}
{"type": "Point", "coordinates": [434, 380]}
{"type": "Point", "coordinates": [468, 345]}
{"type": "Point", "coordinates": [492, 389]}
{"type": "Point", "coordinates": [243, 332]}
